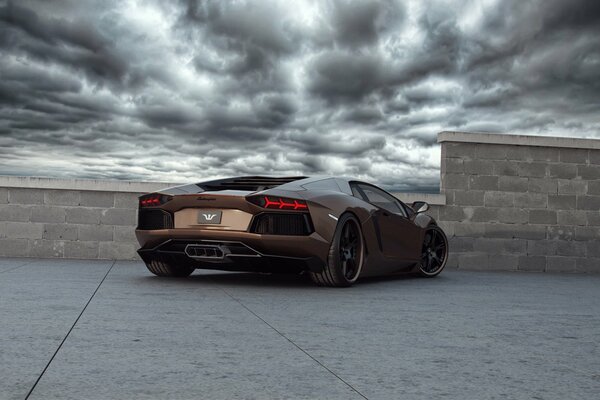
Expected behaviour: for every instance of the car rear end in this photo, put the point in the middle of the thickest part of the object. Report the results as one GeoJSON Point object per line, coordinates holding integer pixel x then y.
{"type": "Point", "coordinates": [244, 224]}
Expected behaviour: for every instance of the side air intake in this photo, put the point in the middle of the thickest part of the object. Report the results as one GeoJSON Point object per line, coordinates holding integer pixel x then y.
{"type": "Point", "coordinates": [282, 224]}
{"type": "Point", "coordinates": [154, 219]}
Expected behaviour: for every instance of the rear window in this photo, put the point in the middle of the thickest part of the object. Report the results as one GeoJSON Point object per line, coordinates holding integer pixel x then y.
{"type": "Point", "coordinates": [325, 184]}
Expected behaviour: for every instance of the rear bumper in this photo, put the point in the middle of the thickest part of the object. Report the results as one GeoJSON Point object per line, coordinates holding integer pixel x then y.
{"type": "Point", "coordinates": [242, 251]}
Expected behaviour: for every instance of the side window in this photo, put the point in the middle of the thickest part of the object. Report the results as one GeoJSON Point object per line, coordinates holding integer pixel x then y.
{"type": "Point", "coordinates": [382, 199]}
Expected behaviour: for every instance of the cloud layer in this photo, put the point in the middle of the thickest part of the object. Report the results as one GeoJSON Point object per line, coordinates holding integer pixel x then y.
{"type": "Point", "coordinates": [182, 91]}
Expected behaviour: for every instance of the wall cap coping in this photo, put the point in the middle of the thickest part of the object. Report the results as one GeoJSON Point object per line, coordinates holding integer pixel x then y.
{"type": "Point", "coordinates": [101, 185]}
{"type": "Point", "coordinates": [519, 140]}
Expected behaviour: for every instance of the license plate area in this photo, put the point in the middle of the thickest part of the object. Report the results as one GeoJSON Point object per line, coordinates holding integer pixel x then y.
{"type": "Point", "coordinates": [209, 217]}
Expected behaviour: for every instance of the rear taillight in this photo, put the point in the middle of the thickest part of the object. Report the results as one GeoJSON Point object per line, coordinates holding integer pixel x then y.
{"type": "Point", "coordinates": [154, 200]}
{"type": "Point", "coordinates": [279, 203]}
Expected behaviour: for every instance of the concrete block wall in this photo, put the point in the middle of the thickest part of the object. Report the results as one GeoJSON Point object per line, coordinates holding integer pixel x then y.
{"type": "Point", "coordinates": [39, 220]}
{"type": "Point", "coordinates": [521, 203]}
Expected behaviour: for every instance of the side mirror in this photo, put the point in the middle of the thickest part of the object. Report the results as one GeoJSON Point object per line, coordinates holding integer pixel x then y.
{"type": "Point", "coordinates": [420, 206]}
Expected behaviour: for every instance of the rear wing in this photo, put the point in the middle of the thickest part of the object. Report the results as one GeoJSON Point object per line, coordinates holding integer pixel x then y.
{"type": "Point", "coordinates": [249, 183]}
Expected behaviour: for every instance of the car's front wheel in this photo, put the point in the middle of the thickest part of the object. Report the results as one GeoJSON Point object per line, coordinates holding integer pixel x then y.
{"type": "Point", "coordinates": [163, 268]}
{"type": "Point", "coordinates": [434, 254]}
{"type": "Point", "coordinates": [346, 255]}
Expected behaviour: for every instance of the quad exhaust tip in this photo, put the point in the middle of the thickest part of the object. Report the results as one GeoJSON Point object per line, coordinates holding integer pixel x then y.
{"type": "Point", "coordinates": [204, 252]}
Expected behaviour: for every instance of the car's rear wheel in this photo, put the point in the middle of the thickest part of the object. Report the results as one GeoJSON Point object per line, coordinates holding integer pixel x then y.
{"type": "Point", "coordinates": [346, 255]}
{"type": "Point", "coordinates": [164, 268]}
{"type": "Point", "coordinates": [435, 252]}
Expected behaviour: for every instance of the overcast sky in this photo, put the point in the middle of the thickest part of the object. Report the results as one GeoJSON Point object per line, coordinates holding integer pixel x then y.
{"type": "Point", "coordinates": [183, 91]}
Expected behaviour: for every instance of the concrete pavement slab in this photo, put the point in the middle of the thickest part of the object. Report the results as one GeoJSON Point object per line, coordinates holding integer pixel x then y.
{"type": "Point", "coordinates": [39, 302]}
{"type": "Point", "coordinates": [218, 335]}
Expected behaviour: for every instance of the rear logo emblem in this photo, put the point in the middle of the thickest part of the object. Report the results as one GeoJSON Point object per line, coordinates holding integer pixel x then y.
{"type": "Point", "coordinates": [209, 216]}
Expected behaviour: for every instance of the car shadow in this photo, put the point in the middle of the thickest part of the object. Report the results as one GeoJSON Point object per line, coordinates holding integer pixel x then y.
{"type": "Point", "coordinates": [276, 280]}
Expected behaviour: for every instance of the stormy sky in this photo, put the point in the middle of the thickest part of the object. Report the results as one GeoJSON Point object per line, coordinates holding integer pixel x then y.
{"type": "Point", "coordinates": [186, 90]}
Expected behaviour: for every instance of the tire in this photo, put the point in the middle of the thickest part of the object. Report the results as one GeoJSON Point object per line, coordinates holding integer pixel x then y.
{"type": "Point", "coordinates": [434, 253]}
{"type": "Point", "coordinates": [346, 255]}
{"type": "Point", "coordinates": [162, 268]}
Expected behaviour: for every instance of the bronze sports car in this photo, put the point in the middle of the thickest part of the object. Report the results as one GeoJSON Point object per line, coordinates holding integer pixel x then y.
{"type": "Point", "coordinates": [334, 229]}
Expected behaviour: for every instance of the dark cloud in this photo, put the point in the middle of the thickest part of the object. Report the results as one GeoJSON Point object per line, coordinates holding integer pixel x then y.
{"type": "Point", "coordinates": [180, 91]}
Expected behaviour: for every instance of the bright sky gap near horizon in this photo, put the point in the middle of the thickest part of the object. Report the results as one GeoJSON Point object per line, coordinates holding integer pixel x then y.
{"type": "Point", "coordinates": [190, 90]}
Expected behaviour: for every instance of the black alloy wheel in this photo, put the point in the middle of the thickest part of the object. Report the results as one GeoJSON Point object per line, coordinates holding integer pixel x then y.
{"type": "Point", "coordinates": [435, 252]}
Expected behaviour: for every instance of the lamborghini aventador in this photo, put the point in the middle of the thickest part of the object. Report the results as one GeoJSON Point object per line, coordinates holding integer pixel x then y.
{"type": "Point", "coordinates": [336, 230]}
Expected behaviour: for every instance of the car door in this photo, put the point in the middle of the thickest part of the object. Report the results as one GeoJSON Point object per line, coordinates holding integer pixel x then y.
{"type": "Point", "coordinates": [398, 236]}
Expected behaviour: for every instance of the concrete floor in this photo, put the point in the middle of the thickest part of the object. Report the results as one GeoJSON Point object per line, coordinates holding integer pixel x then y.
{"type": "Point", "coordinates": [75, 329]}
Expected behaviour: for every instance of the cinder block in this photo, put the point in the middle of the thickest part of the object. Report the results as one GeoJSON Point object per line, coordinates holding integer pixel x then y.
{"type": "Point", "coordinates": [469, 229]}
{"type": "Point", "coordinates": [82, 215]}
{"type": "Point", "coordinates": [593, 188]}
{"type": "Point", "coordinates": [498, 199]}
{"type": "Point", "coordinates": [588, 265]}
{"type": "Point", "coordinates": [594, 156]}
{"type": "Point", "coordinates": [542, 247]}
{"type": "Point", "coordinates": [571, 248]}
{"type": "Point", "coordinates": [593, 249]}
{"type": "Point", "coordinates": [97, 199]}
{"type": "Point", "coordinates": [14, 212]}
{"type": "Point", "coordinates": [452, 213]}
{"type": "Point", "coordinates": [85, 250]}
{"type": "Point", "coordinates": [3, 195]}
{"type": "Point", "coordinates": [507, 168]}
{"type": "Point", "coordinates": [127, 234]}
{"type": "Point", "coordinates": [452, 261]}
{"type": "Point", "coordinates": [572, 218]}
{"type": "Point", "coordinates": [512, 216]}
{"type": "Point", "coordinates": [47, 248]}
{"type": "Point", "coordinates": [574, 156]}
{"type": "Point", "coordinates": [512, 184]}
{"type": "Point", "coordinates": [99, 233]}
{"type": "Point", "coordinates": [562, 171]}
{"type": "Point", "coordinates": [588, 233]}
{"type": "Point", "coordinates": [531, 200]}
{"type": "Point", "coordinates": [117, 251]}
{"type": "Point", "coordinates": [589, 172]}
{"type": "Point", "coordinates": [515, 231]}
{"type": "Point", "coordinates": [569, 186]}
{"type": "Point", "coordinates": [483, 182]}
{"type": "Point", "coordinates": [118, 216]}
{"type": "Point", "coordinates": [473, 261]}
{"type": "Point", "coordinates": [593, 218]}
{"type": "Point", "coordinates": [478, 167]}
{"type": "Point", "coordinates": [127, 200]}
{"type": "Point", "coordinates": [468, 198]}
{"type": "Point", "coordinates": [448, 226]}
{"type": "Point", "coordinates": [22, 230]}
{"type": "Point", "coordinates": [62, 197]}
{"type": "Point", "coordinates": [500, 246]}
{"type": "Point", "coordinates": [503, 262]}
{"type": "Point", "coordinates": [461, 244]}
{"type": "Point", "coordinates": [458, 150]}
{"type": "Point", "coordinates": [60, 231]}
{"type": "Point", "coordinates": [532, 263]}
{"type": "Point", "coordinates": [547, 217]}
{"type": "Point", "coordinates": [25, 196]}
{"type": "Point", "coordinates": [11, 247]}
{"type": "Point", "coordinates": [47, 214]}
{"type": "Point", "coordinates": [449, 165]}
{"type": "Point", "coordinates": [561, 264]}
{"type": "Point", "coordinates": [455, 181]}
{"type": "Point", "coordinates": [562, 201]}
{"type": "Point", "coordinates": [561, 232]}
{"type": "Point", "coordinates": [543, 185]}
{"type": "Point", "coordinates": [591, 203]}
{"type": "Point", "coordinates": [491, 151]}
{"type": "Point", "coordinates": [532, 169]}
{"type": "Point", "coordinates": [482, 214]}
{"type": "Point", "coordinates": [548, 154]}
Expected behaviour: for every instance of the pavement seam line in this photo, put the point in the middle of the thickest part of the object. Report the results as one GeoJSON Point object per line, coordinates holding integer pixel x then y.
{"type": "Point", "coordinates": [70, 330]}
{"type": "Point", "coordinates": [293, 343]}
{"type": "Point", "coordinates": [18, 266]}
